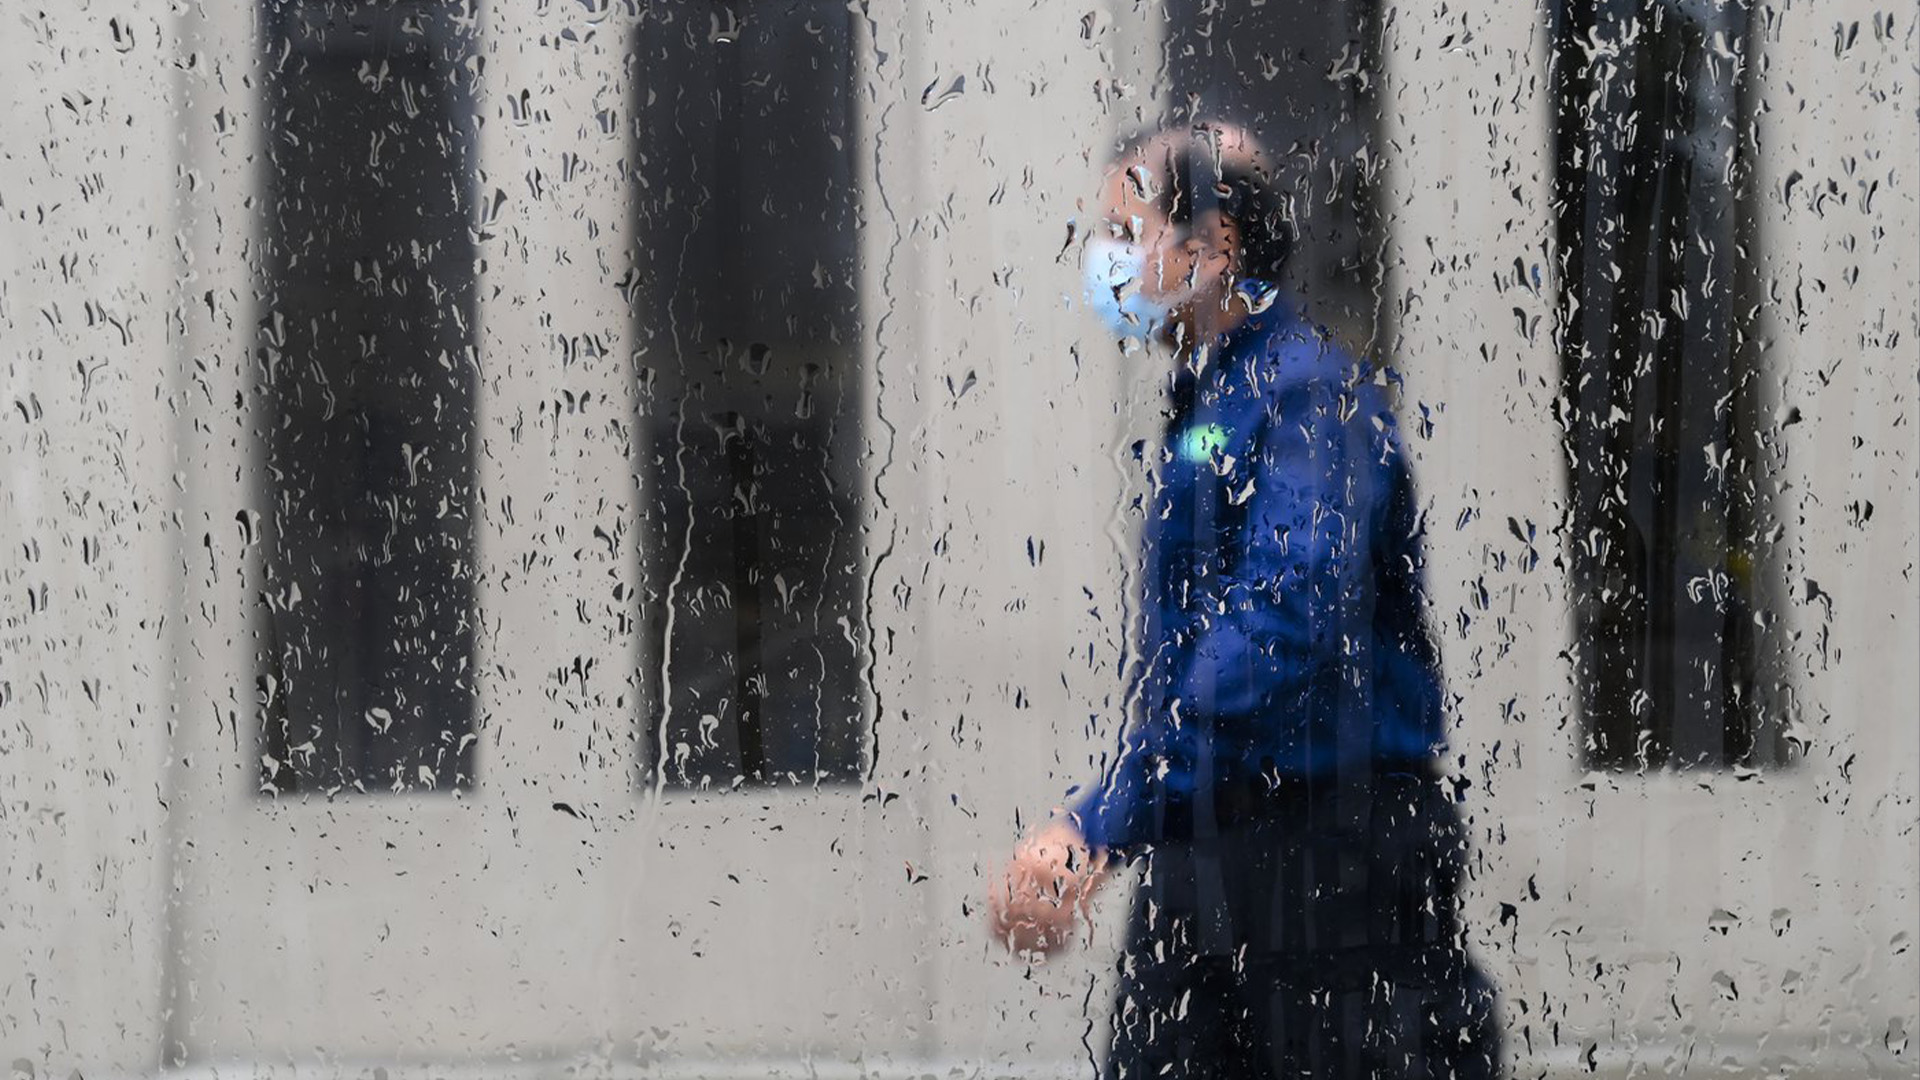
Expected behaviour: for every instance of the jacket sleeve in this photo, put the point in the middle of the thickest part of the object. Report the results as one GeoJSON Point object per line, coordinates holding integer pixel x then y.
{"type": "Point", "coordinates": [1114, 812]}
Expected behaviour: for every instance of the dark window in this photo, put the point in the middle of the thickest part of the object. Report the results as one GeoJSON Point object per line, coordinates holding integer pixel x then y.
{"type": "Point", "coordinates": [1669, 435]}
{"type": "Point", "coordinates": [1301, 75]}
{"type": "Point", "coordinates": [747, 323]}
{"type": "Point", "coordinates": [367, 278]}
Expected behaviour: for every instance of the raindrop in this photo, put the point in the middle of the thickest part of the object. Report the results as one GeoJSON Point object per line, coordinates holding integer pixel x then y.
{"type": "Point", "coordinates": [933, 97]}
{"type": "Point", "coordinates": [1257, 295]}
{"type": "Point", "coordinates": [725, 27]}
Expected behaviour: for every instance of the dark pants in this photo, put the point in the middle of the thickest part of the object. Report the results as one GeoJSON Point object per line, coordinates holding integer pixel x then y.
{"type": "Point", "coordinates": [1311, 930]}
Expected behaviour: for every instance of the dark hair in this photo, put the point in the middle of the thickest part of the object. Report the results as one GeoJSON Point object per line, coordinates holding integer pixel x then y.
{"type": "Point", "coordinates": [1194, 177]}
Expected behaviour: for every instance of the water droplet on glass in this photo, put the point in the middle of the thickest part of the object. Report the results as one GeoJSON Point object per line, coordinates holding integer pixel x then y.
{"type": "Point", "coordinates": [933, 96]}
{"type": "Point", "coordinates": [1257, 295]}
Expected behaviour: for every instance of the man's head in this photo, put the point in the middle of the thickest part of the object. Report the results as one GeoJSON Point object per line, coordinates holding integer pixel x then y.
{"type": "Point", "coordinates": [1185, 215]}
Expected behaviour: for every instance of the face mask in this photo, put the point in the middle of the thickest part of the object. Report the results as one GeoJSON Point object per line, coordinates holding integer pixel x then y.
{"type": "Point", "coordinates": [1115, 272]}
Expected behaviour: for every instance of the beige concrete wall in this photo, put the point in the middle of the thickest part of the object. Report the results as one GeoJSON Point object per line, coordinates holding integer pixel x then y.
{"type": "Point", "coordinates": [1013, 415]}
{"type": "Point", "coordinates": [86, 579]}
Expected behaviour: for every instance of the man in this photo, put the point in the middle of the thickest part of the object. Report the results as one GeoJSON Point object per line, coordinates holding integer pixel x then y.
{"type": "Point", "coordinates": [1299, 849]}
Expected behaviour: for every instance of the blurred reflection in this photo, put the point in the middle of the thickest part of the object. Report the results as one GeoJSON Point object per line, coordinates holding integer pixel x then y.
{"type": "Point", "coordinates": [1301, 850]}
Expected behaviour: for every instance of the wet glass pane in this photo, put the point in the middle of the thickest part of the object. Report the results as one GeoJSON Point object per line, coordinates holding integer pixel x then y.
{"type": "Point", "coordinates": [655, 539]}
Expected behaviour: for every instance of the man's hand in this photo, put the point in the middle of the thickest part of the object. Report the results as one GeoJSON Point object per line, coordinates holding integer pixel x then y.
{"type": "Point", "coordinates": [1051, 878]}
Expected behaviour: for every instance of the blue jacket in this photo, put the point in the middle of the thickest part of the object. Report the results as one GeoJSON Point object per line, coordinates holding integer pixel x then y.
{"type": "Point", "coordinates": [1283, 611]}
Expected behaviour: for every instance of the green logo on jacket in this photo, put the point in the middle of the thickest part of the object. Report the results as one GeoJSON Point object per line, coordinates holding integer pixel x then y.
{"type": "Point", "coordinates": [1200, 442]}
